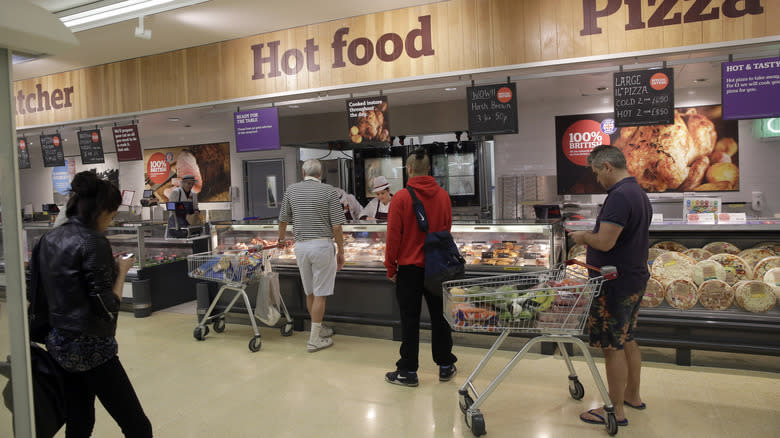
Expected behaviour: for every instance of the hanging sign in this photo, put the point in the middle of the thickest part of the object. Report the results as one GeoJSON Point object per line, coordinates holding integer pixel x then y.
{"type": "Point", "coordinates": [368, 119]}
{"type": "Point", "coordinates": [23, 153]}
{"type": "Point", "coordinates": [91, 146]}
{"type": "Point", "coordinates": [492, 109]}
{"type": "Point", "coordinates": [128, 145]}
{"type": "Point", "coordinates": [51, 146]}
{"type": "Point", "coordinates": [751, 89]}
{"type": "Point", "coordinates": [257, 130]}
{"type": "Point", "coordinates": [644, 97]}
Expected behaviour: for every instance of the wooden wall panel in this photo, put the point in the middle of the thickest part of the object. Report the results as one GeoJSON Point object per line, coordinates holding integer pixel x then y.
{"type": "Point", "coordinates": [465, 35]}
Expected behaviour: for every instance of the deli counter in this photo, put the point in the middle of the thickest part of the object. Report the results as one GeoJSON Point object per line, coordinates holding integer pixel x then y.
{"type": "Point", "coordinates": [364, 294]}
{"type": "Point", "coordinates": [732, 328]}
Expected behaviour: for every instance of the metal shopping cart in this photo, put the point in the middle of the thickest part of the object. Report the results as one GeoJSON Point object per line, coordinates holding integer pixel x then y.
{"type": "Point", "coordinates": [552, 304]}
{"type": "Point", "coordinates": [236, 270]}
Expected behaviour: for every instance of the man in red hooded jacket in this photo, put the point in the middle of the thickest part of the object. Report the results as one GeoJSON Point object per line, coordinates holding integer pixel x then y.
{"type": "Point", "coordinates": [405, 263]}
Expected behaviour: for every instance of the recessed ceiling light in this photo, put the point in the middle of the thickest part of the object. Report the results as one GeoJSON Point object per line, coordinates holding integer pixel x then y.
{"type": "Point", "coordinates": [294, 106]}
{"type": "Point", "coordinates": [602, 88]}
{"type": "Point", "coordinates": [173, 119]}
{"type": "Point", "coordinates": [450, 89]}
{"type": "Point", "coordinates": [700, 80]}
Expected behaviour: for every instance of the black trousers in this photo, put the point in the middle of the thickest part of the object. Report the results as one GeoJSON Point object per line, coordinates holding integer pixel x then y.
{"type": "Point", "coordinates": [110, 384]}
{"type": "Point", "coordinates": [409, 291]}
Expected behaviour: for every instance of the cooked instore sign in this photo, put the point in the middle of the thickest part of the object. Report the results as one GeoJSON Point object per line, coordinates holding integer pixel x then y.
{"type": "Point", "coordinates": [670, 245]}
{"type": "Point", "coordinates": [736, 268]}
{"type": "Point", "coordinates": [754, 255]}
{"type": "Point", "coordinates": [654, 293]}
{"type": "Point", "coordinates": [708, 270]}
{"type": "Point", "coordinates": [682, 294]}
{"type": "Point", "coordinates": [772, 278]}
{"type": "Point", "coordinates": [671, 266]}
{"type": "Point", "coordinates": [698, 254]}
{"type": "Point", "coordinates": [763, 266]}
{"type": "Point", "coordinates": [774, 246]}
{"type": "Point", "coordinates": [653, 253]}
{"type": "Point", "coordinates": [755, 296]}
{"type": "Point", "coordinates": [577, 249]}
{"type": "Point", "coordinates": [716, 295]}
{"type": "Point", "coordinates": [721, 247]}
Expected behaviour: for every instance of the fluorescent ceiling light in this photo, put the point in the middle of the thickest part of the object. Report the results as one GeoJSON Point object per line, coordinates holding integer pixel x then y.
{"type": "Point", "coordinates": [109, 12]}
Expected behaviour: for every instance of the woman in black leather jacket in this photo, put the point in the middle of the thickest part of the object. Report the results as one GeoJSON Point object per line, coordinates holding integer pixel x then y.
{"type": "Point", "coordinates": [83, 285]}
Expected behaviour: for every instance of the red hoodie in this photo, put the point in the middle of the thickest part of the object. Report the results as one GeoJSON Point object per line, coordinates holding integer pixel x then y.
{"type": "Point", "coordinates": [404, 239]}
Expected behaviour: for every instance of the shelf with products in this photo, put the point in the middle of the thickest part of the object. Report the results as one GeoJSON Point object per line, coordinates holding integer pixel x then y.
{"type": "Point", "coordinates": [732, 329]}
{"type": "Point", "coordinates": [521, 246]}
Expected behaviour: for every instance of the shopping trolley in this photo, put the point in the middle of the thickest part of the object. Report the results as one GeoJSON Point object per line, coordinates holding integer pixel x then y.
{"type": "Point", "coordinates": [553, 305]}
{"type": "Point", "coordinates": [235, 270]}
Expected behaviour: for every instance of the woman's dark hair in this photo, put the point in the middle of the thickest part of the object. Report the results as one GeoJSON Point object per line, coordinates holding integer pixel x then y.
{"type": "Point", "coordinates": [90, 196]}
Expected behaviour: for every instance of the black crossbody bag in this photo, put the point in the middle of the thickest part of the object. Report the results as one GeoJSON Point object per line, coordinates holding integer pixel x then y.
{"type": "Point", "coordinates": [443, 261]}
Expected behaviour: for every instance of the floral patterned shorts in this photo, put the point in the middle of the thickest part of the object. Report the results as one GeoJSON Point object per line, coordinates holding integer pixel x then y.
{"type": "Point", "coordinates": [613, 319]}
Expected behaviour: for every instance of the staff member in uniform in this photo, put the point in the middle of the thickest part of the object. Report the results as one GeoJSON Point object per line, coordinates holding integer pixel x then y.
{"type": "Point", "coordinates": [378, 208]}
{"type": "Point", "coordinates": [184, 193]}
{"type": "Point", "coordinates": [350, 204]}
{"type": "Point", "coordinates": [315, 210]}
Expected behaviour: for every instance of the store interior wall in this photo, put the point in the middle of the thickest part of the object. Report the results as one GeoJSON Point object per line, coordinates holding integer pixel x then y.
{"type": "Point", "coordinates": [530, 152]}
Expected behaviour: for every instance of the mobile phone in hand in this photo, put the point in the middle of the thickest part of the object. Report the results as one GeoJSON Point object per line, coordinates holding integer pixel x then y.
{"type": "Point", "coordinates": [128, 255]}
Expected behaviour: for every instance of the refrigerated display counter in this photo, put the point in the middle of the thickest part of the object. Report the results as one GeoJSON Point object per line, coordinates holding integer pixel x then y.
{"type": "Point", "coordinates": [732, 329]}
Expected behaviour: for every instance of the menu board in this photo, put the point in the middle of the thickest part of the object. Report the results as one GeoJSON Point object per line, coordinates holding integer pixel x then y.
{"type": "Point", "coordinates": [23, 153]}
{"type": "Point", "coordinates": [257, 130]}
{"type": "Point", "coordinates": [128, 145]}
{"type": "Point", "coordinates": [91, 146]}
{"type": "Point", "coordinates": [492, 109]}
{"type": "Point", "coordinates": [751, 89]}
{"type": "Point", "coordinates": [368, 119]}
{"type": "Point", "coordinates": [51, 146]}
{"type": "Point", "coordinates": [644, 97]}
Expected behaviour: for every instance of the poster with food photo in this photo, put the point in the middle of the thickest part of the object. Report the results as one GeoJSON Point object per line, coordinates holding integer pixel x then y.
{"type": "Point", "coordinates": [208, 163]}
{"type": "Point", "coordinates": [369, 120]}
{"type": "Point", "coordinates": [699, 152]}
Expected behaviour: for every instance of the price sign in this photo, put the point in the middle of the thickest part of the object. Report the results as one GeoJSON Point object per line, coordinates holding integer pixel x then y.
{"type": "Point", "coordinates": [51, 146]}
{"type": "Point", "coordinates": [23, 153]}
{"type": "Point", "coordinates": [91, 147]}
{"type": "Point", "coordinates": [732, 218]}
{"type": "Point", "coordinates": [658, 218]}
{"type": "Point", "coordinates": [702, 218]}
{"type": "Point", "coordinates": [492, 109]}
{"type": "Point", "coordinates": [644, 97]}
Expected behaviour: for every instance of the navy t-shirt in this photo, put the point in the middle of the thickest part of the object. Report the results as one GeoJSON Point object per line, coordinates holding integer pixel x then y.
{"type": "Point", "coordinates": [626, 205]}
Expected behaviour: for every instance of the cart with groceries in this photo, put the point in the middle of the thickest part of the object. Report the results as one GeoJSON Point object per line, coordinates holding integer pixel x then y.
{"type": "Point", "coordinates": [240, 271]}
{"type": "Point", "coordinates": [550, 305]}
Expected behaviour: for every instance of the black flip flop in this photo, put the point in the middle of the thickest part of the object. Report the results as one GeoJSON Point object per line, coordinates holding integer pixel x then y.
{"type": "Point", "coordinates": [637, 407]}
{"type": "Point", "coordinates": [623, 422]}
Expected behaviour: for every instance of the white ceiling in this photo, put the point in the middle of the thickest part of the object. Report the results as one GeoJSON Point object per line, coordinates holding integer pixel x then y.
{"type": "Point", "coordinates": [220, 20]}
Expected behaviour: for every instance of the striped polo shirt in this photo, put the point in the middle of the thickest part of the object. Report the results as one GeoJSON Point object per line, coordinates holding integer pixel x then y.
{"type": "Point", "coordinates": [313, 208]}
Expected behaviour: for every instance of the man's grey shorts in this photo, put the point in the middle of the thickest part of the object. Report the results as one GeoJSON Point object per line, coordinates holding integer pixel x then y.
{"type": "Point", "coordinates": [317, 265]}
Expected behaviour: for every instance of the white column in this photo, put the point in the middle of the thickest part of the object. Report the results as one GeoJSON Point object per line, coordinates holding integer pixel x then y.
{"type": "Point", "coordinates": [24, 426]}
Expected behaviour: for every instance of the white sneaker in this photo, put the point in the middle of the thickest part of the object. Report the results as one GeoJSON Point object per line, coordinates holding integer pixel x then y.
{"type": "Point", "coordinates": [325, 331]}
{"type": "Point", "coordinates": [319, 344]}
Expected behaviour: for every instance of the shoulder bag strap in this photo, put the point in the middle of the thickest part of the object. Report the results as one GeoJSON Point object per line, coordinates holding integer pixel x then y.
{"type": "Point", "coordinates": [419, 211]}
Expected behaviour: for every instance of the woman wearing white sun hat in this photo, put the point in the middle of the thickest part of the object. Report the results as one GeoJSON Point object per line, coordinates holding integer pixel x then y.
{"type": "Point", "coordinates": [378, 207]}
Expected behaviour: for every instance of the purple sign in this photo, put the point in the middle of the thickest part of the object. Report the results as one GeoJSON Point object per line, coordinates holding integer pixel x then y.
{"type": "Point", "coordinates": [257, 130]}
{"type": "Point", "coordinates": [751, 89]}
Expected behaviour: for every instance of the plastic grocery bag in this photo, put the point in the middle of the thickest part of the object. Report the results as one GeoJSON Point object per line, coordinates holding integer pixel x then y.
{"type": "Point", "coordinates": [268, 299]}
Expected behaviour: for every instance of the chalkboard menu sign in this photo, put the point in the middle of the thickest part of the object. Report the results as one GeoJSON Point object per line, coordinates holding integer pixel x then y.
{"type": "Point", "coordinates": [91, 147]}
{"type": "Point", "coordinates": [644, 97]}
{"type": "Point", "coordinates": [51, 145]}
{"type": "Point", "coordinates": [492, 109]}
{"type": "Point", "coordinates": [128, 145]}
{"type": "Point", "coordinates": [23, 154]}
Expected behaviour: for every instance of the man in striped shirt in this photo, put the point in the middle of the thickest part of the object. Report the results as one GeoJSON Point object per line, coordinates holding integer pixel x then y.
{"type": "Point", "coordinates": [314, 209]}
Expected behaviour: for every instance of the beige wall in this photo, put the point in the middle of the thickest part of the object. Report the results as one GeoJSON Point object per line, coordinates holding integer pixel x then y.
{"type": "Point", "coordinates": [456, 35]}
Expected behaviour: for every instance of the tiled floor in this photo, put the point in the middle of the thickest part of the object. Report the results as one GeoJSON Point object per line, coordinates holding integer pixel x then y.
{"type": "Point", "coordinates": [217, 388]}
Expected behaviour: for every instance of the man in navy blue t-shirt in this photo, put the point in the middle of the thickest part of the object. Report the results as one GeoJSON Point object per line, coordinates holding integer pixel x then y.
{"type": "Point", "coordinates": [620, 238]}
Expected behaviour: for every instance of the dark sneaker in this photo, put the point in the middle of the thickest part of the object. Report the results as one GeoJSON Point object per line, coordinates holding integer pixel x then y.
{"type": "Point", "coordinates": [402, 378]}
{"type": "Point", "coordinates": [447, 372]}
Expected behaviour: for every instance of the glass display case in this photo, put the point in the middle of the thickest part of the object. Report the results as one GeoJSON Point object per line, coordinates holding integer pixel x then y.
{"type": "Point", "coordinates": [732, 328]}
{"type": "Point", "coordinates": [489, 247]}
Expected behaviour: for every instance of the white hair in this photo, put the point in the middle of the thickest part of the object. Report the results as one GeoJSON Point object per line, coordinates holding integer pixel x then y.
{"type": "Point", "coordinates": [312, 168]}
